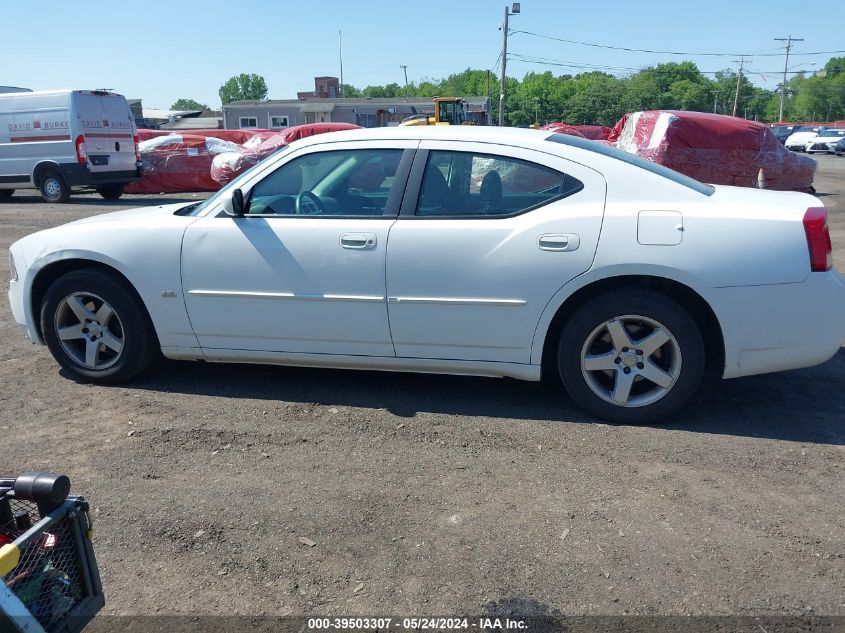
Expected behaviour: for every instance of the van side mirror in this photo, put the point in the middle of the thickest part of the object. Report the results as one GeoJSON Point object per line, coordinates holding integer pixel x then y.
{"type": "Point", "coordinates": [238, 203]}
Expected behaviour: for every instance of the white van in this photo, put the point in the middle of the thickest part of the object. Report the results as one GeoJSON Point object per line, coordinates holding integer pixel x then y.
{"type": "Point", "coordinates": [56, 140]}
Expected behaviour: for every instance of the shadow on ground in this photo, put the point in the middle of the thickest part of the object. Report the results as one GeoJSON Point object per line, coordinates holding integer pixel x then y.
{"type": "Point", "coordinates": [804, 406]}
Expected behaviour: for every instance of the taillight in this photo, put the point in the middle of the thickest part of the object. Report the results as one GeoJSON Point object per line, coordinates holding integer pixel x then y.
{"type": "Point", "coordinates": [81, 154]}
{"type": "Point", "coordinates": [818, 239]}
{"type": "Point", "coordinates": [137, 149]}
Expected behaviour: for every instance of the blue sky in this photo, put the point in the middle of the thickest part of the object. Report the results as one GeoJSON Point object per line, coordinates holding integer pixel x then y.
{"type": "Point", "coordinates": [160, 51]}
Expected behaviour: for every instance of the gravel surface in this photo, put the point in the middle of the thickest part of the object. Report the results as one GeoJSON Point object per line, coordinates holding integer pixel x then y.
{"type": "Point", "coordinates": [232, 489]}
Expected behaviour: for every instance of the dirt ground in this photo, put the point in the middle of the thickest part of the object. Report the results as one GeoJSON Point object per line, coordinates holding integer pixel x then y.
{"type": "Point", "coordinates": [432, 494]}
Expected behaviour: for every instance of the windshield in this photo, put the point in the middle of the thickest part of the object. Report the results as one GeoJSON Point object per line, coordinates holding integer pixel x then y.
{"type": "Point", "coordinates": [833, 133]}
{"type": "Point", "coordinates": [632, 159]}
{"type": "Point", "coordinates": [234, 184]}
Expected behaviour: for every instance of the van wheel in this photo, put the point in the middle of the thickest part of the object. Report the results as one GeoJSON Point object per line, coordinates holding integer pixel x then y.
{"type": "Point", "coordinates": [110, 192]}
{"type": "Point", "coordinates": [6, 193]}
{"type": "Point", "coordinates": [53, 188]}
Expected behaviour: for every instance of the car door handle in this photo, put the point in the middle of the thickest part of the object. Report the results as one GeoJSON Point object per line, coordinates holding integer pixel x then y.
{"type": "Point", "coordinates": [558, 242]}
{"type": "Point", "coordinates": [358, 241]}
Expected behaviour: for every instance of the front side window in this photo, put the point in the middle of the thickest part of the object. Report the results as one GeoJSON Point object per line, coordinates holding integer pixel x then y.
{"type": "Point", "coordinates": [249, 121]}
{"type": "Point", "coordinates": [330, 183]}
{"type": "Point", "coordinates": [478, 185]}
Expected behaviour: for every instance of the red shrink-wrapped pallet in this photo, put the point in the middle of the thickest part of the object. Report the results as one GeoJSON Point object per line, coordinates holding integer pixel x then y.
{"type": "Point", "coordinates": [226, 166]}
{"type": "Point", "coordinates": [174, 163]}
{"type": "Point", "coordinates": [715, 149]}
{"type": "Point", "coordinates": [563, 128]}
{"type": "Point", "coordinates": [592, 132]}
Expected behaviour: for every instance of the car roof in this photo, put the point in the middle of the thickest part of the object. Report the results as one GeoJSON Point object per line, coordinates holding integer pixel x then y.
{"type": "Point", "coordinates": [481, 133]}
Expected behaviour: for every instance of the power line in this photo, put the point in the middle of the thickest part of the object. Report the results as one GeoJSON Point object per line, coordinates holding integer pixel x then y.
{"type": "Point", "coordinates": [645, 50]}
{"type": "Point", "coordinates": [583, 65]}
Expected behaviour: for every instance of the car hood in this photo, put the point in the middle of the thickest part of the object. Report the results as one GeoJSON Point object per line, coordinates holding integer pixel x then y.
{"type": "Point", "coordinates": [133, 215]}
{"type": "Point", "coordinates": [101, 234]}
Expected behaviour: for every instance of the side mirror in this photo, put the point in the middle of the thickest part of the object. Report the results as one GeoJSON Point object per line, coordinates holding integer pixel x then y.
{"type": "Point", "coordinates": [238, 203]}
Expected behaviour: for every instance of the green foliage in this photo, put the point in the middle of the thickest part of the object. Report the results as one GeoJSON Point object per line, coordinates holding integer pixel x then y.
{"type": "Point", "coordinates": [350, 92]}
{"type": "Point", "coordinates": [186, 105]}
{"type": "Point", "coordinates": [243, 87]}
{"type": "Point", "coordinates": [600, 98]}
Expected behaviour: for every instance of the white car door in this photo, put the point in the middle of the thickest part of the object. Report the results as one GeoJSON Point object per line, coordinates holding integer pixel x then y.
{"type": "Point", "coordinates": [477, 254]}
{"type": "Point", "coordinates": [304, 269]}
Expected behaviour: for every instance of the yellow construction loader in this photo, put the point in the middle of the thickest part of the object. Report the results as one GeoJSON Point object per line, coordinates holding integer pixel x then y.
{"type": "Point", "coordinates": [447, 111]}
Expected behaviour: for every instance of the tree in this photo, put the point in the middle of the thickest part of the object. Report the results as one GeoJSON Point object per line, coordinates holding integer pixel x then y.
{"type": "Point", "coordinates": [597, 100]}
{"type": "Point", "coordinates": [350, 92]}
{"type": "Point", "coordinates": [390, 90]}
{"type": "Point", "coordinates": [188, 104]}
{"type": "Point", "coordinates": [243, 87]}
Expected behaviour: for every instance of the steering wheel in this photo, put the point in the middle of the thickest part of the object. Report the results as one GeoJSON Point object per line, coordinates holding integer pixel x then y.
{"type": "Point", "coordinates": [307, 203]}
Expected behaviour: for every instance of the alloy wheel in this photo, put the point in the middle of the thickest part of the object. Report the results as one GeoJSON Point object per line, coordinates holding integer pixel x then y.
{"type": "Point", "coordinates": [89, 330]}
{"type": "Point", "coordinates": [631, 361]}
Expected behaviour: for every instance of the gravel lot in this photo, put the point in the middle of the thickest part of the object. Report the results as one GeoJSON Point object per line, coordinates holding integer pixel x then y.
{"type": "Point", "coordinates": [434, 495]}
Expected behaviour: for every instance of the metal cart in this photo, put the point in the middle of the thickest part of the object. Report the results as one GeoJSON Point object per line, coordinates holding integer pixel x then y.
{"type": "Point", "coordinates": [49, 582]}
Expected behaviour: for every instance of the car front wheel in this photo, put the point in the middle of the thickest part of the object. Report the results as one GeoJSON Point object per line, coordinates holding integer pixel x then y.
{"type": "Point", "coordinates": [631, 356]}
{"type": "Point", "coordinates": [96, 327]}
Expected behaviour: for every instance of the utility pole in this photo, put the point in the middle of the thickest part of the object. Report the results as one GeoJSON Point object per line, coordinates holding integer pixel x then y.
{"type": "Point", "coordinates": [340, 51]}
{"type": "Point", "coordinates": [738, 81]}
{"type": "Point", "coordinates": [508, 13]}
{"type": "Point", "coordinates": [788, 39]}
{"type": "Point", "coordinates": [404, 67]}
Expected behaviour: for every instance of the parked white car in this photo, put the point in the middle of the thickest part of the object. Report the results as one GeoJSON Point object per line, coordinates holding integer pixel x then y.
{"type": "Point", "coordinates": [825, 141]}
{"type": "Point", "coordinates": [797, 141]}
{"type": "Point", "coordinates": [462, 250]}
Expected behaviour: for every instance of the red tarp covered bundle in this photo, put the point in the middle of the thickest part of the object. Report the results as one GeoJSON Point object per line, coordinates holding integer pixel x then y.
{"type": "Point", "coordinates": [592, 132]}
{"type": "Point", "coordinates": [714, 148]}
{"type": "Point", "coordinates": [235, 136]}
{"type": "Point", "coordinates": [563, 128]}
{"type": "Point", "coordinates": [227, 165]}
{"type": "Point", "coordinates": [174, 162]}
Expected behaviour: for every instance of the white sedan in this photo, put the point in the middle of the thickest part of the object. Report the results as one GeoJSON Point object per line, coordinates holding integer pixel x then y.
{"type": "Point", "coordinates": [825, 141]}
{"type": "Point", "coordinates": [460, 250]}
{"type": "Point", "coordinates": [797, 141]}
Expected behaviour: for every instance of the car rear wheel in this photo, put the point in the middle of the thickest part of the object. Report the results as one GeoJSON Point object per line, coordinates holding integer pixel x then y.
{"type": "Point", "coordinates": [53, 188]}
{"type": "Point", "coordinates": [110, 192]}
{"type": "Point", "coordinates": [96, 327]}
{"type": "Point", "coordinates": [6, 193]}
{"type": "Point", "coordinates": [631, 356]}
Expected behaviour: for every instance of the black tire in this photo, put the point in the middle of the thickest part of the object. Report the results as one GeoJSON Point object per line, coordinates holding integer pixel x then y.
{"type": "Point", "coordinates": [53, 187]}
{"type": "Point", "coordinates": [644, 303]}
{"type": "Point", "coordinates": [140, 347]}
{"type": "Point", "coordinates": [110, 192]}
{"type": "Point", "coordinates": [6, 193]}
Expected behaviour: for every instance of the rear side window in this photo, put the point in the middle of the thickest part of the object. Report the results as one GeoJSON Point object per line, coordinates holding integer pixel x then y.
{"type": "Point", "coordinates": [467, 184]}
{"type": "Point", "coordinates": [632, 159]}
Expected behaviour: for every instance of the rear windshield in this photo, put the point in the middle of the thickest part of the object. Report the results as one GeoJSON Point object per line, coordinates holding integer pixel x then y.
{"type": "Point", "coordinates": [632, 159]}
